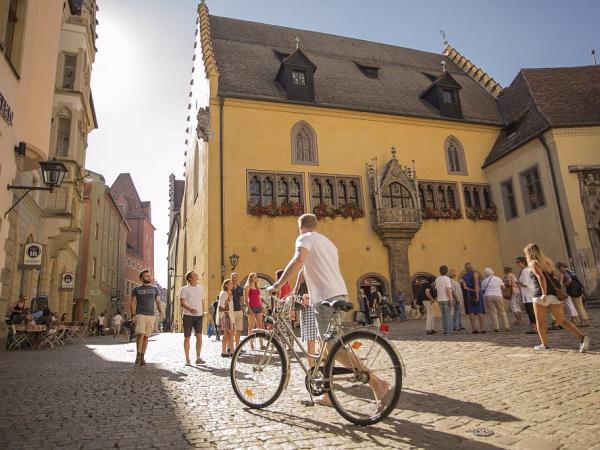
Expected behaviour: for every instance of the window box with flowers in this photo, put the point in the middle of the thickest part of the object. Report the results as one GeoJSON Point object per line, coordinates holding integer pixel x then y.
{"type": "Point", "coordinates": [284, 209]}
{"type": "Point", "coordinates": [437, 214]}
{"type": "Point", "coordinates": [351, 211]}
{"type": "Point", "coordinates": [482, 214]}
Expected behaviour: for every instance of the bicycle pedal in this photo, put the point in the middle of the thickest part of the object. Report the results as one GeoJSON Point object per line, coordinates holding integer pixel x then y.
{"type": "Point", "coordinates": [307, 403]}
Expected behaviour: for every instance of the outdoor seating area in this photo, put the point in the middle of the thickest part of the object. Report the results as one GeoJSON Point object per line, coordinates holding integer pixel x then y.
{"type": "Point", "coordinates": [36, 337]}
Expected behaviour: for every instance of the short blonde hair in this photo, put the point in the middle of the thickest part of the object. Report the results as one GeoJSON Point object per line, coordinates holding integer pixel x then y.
{"type": "Point", "coordinates": [307, 221]}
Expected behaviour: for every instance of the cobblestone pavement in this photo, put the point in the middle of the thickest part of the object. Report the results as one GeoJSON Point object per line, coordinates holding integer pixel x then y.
{"type": "Point", "coordinates": [91, 397]}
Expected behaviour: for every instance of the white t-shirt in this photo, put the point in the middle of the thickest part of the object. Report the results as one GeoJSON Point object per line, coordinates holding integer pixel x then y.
{"type": "Point", "coordinates": [101, 321]}
{"type": "Point", "coordinates": [117, 319]}
{"type": "Point", "coordinates": [527, 290]}
{"type": "Point", "coordinates": [492, 286]}
{"type": "Point", "coordinates": [457, 291]}
{"type": "Point", "coordinates": [441, 284]}
{"type": "Point", "coordinates": [194, 298]}
{"type": "Point", "coordinates": [321, 267]}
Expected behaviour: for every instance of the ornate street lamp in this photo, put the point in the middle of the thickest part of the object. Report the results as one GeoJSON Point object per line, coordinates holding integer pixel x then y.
{"type": "Point", "coordinates": [53, 173]}
{"type": "Point", "coordinates": [234, 260]}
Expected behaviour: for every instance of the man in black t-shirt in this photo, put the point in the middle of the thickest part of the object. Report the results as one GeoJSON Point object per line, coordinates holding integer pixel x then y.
{"type": "Point", "coordinates": [143, 299]}
{"type": "Point", "coordinates": [426, 298]}
{"type": "Point", "coordinates": [237, 315]}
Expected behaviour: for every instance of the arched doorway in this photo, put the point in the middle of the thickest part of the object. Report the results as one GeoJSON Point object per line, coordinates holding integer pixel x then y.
{"type": "Point", "coordinates": [373, 280]}
{"type": "Point", "coordinates": [417, 280]}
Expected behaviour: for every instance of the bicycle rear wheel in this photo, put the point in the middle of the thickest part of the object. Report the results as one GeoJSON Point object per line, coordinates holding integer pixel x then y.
{"type": "Point", "coordinates": [360, 364]}
{"type": "Point", "coordinates": [258, 375]}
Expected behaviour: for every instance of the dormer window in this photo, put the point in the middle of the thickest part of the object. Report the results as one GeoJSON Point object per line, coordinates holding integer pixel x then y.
{"type": "Point", "coordinates": [443, 95]}
{"type": "Point", "coordinates": [448, 96]}
{"type": "Point", "coordinates": [296, 76]}
{"type": "Point", "coordinates": [369, 71]}
{"type": "Point", "coordinates": [299, 77]}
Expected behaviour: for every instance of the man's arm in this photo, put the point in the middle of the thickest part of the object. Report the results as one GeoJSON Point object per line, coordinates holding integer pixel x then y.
{"type": "Point", "coordinates": [185, 306]}
{"type": "Point", "coordinates": [132, 305]}
{"type": "Point", "coordinates": [157, 300]}
{"type": "Point", "coordinates": [449, 290]}
{"type": "Point", "coordinates": [292, 268]}
{"type": "Point", "coordinates": [299, 281]}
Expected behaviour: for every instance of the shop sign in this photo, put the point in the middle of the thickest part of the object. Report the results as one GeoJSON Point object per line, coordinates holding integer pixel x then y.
{"type": "Point", "coordinates": [32, 255]}
{"type": "Point", "coordinates": [68, 281]}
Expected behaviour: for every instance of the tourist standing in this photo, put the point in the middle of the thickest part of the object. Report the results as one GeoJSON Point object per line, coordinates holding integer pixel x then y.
{"type": "Point", "coordinates": [511, 292]}
{"type": "Point", "coordinates": [224, 318]}
{"type": "Point", "coordinates": [471, 284]}
{"type": "Point", "coordinates": [575, 290]}
{"type": "Point", "coordinates": [143, 299]}
{"type": "Point", "coordinates": [399, 303]}
{"type": "Point", "coordinates": [426, 298]}
{"type": "Point", "coordinates": [100, 324]}
{"type": "Point", "coordinates": [254, 304]}
{"type": "Point", "coordinates": [526, 287]}
{"type": "Point", "coordinates": [491, 287]}
{"type": "Point", "coordinates": [457, 303]}
{"type": "Point", "coordinates": [546, 297]}
{"type": "Point", "coordinates": [117, 321]}
{"type": "Point", "coordinates": [443, 286]}
{"type": "Point", "coordinates": [237, 313]}
{"type": "Point", "coordinates": [194, 302]}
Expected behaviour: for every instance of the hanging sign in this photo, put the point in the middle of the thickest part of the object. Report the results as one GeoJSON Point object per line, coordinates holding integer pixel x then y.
{"type": "Point", "coordinates": [32, 255]}
{"type": "Point", "coordinates": [68, 281]}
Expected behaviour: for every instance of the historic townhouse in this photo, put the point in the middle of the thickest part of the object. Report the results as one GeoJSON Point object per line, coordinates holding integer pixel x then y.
{"type": "Point", "coordinates": [100, 288]}
{"type": "Point", "coordinates": [47, 113]}
{"type": "Point", "coordinates": [394, 149]}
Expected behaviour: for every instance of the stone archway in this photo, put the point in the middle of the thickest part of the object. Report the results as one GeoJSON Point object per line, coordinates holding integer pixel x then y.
{"type": "Point", "coordinates": [373, 279]}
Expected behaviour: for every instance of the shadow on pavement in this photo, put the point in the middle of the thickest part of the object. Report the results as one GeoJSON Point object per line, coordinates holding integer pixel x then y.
{"type": "Point", "coordinates": [402, 431]}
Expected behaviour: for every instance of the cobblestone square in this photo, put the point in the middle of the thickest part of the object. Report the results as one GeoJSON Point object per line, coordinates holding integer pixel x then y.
{"type": "Point", "coordinates": [91, 396]}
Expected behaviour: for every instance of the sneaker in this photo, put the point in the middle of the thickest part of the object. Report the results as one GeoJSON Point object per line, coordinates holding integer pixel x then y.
{"type": "Point", "coordinates": [142, 362]}
{"type": "Point", "coordinates": [430, 332]}
{"type": "Point", "coordinates": [475, 332]}
{"type": "Point", "coordinates": [187, 362]}
{"type": "Point", "coordinates": [496, 330]}
{"type": "Point", "coordinates": [200, 361]}
{"type": "Point", "coordinates": [541, 347]}
{"type": "Point", "coordinates": [138, 358]}
{"type": "Point", "coordinates": [585, 344]}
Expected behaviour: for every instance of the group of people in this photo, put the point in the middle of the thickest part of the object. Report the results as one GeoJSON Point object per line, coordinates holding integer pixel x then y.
{"type": "Point", "coordinates": [19, 313]}
{"type": "Point", "coordinates": [539, 288]}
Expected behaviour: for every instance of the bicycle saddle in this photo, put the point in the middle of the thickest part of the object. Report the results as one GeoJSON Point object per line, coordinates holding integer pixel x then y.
{"type": "Point", "coordinates": [339, 304]}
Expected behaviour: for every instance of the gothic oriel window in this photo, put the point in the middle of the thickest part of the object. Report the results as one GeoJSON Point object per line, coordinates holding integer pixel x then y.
{"type": "Point", "coordinates": [304, 144]}
{"type": "Point", "coordinates": [455, 157]}
{"type": "Point", "coordinates": [397, 196]}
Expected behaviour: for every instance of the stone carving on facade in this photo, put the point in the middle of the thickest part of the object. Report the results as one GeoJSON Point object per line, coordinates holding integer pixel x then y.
{"type": "Point", "coordinates": [203, 127]}
{"type": "Point", "coordinates": [395, 214]}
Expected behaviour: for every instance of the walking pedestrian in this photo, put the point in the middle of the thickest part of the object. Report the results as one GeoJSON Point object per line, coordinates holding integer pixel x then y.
{"type": "Point", "coordinates": [471, 286]}
{"type": "Point", "coordinates": [426, 298]}
{"type": "Point", "coordinates": [511, 292]}
{"type": "Point", "coordinates": [443, 286]}
{"type": "Point", "coordinates": [100, 324]}
{"type": "Point", "coordinates": [215, 317]}
{"type": "Point", "coordinates": [491, 287]}
{"type": "Point", "coordinates": [525, 284]}
{"type": "Point", "coordinates": [117, 320]}
{"type": "Point", "coordinates": [399, 301]}
{"type": "Point", "coordinates": [194, 302]}
{"type": "Point", "coordinates": [143, 299]}
{"type": "Point", "coordinates": [224, 318]}
{"type": "Point", "coordinates": [237, 313]}
{"type": "Point", "coordinates": [575, 291]}
{"type": "Point", "coordinates": [375, 307]}
{"type": "Point", "coordinates": [547, 290]}
{"type": "Point", "coordinates": [254, 304]}
{"type": "Point", "coordinates": [457, 303]}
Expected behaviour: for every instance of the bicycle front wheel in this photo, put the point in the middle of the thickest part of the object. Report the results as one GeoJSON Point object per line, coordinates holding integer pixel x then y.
{"type": "Point", "coordinates": [365, 377]}
{"type": "Point", "coordinates": [258, 370]}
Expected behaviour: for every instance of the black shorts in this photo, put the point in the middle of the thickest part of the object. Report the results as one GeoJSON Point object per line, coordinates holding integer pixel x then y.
{"type": "Point", "coordinates": [190, 322]}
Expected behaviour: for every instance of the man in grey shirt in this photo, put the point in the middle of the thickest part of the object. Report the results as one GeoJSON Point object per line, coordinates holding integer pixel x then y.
{"type": "Point", "coordinates": [143, 299]}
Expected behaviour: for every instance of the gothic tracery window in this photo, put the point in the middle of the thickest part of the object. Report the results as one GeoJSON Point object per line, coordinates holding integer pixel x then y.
{"type": "Point", "coordinates": [304, 144]}
{"type": "Point", "coordinates": [455, 157]}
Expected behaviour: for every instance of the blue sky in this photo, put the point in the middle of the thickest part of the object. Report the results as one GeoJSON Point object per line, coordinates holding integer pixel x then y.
{"type": "Point", "coordinates": [140, 80]}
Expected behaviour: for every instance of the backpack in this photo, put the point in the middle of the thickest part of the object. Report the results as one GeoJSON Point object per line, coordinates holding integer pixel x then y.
{"type": "Point", "coordinates": [574, 289]}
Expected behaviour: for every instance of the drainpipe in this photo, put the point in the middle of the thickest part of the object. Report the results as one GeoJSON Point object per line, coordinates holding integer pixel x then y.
{"type": "Point", "coordinates": [558, 203]}
{"type": "Point", "coordinates": [221, 181]}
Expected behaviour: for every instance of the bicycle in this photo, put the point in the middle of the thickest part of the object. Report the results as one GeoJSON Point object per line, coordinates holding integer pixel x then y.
{"type": "Point", "coordinates": [417, 311]}
{"type": "Point", "coordinates": [351, 368]}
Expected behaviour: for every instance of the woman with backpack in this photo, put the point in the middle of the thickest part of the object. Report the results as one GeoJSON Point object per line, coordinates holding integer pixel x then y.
{"type": "Point", "coordinates": [574, 289]}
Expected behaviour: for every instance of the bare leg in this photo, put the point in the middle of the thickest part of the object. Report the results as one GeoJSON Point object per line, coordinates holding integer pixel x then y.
{"type": "Point", "coordinates": [481, 322]}
{"type": "Point", "coordinates": [540, 320]}
{"type": "Point", "coordinates": [559, 314]}
{"type": "Point", "coordinates": [259, 324]}
{"type": "Point", "coordinates": [251, 327]}
{"type": "Point", "coordinates": [145, 344]}
{"type": "Point", "coordinates": [237, 338]}
{"type": "Point", "coordinates": [186, 348]}
{"type": "Point", "coordinates": [224, 342]}
{"type": "Point", "coordinates": [310, 346]}
{"type": "Point", "coordinates": [472, 320]}
{"type": "Point", "coordinates": [198, 344]}
{"type": "Point", "coordinates": [139, 343]}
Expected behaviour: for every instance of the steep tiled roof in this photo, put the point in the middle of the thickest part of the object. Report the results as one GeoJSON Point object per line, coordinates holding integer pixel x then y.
{"type": "Point", "coordinates": [539, 99]}
{"type": "Point", "coordinates": [247, 62]}
{"type": "Point", "coordinates": [123, 189]}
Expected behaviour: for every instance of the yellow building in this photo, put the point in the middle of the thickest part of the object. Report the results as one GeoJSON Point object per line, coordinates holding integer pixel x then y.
{"type": "Point", "coordinates": [385, 144]}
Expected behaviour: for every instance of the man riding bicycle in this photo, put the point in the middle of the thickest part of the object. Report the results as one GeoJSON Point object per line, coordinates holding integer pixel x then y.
{"type": "Point", "coordinates": [318, 257]}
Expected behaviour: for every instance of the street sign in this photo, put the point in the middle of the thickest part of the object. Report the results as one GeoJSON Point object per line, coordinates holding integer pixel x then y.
{"type": "Point", "coordinates": [32, 256]}
{"type": "Point", "coordinates": [68, 281]}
